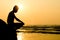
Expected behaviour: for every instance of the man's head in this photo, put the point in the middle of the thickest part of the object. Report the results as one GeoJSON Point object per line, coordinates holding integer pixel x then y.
{"type": "Point", "coordinates": [15, 8]}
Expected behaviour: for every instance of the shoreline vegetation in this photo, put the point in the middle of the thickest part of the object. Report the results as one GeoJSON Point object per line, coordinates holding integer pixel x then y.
{"type": "Point", "coordinates": [51, 29]}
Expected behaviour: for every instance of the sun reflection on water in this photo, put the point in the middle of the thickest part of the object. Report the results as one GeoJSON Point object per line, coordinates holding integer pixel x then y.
{"type": "Point", "coordinates": [20, 36]}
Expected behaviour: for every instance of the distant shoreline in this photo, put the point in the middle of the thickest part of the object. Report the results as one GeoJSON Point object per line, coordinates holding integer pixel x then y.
{"type": "Point", "coordinates": [36, 29]}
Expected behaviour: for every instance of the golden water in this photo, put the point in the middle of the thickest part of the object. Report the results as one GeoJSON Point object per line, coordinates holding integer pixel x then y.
{"type": "Point", "coordinates": [37, 36]}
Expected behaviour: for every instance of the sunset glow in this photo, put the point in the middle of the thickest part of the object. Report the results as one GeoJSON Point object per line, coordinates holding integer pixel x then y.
{"type": "Point", "coordinates": [33, 12]}
{"type": "Point", "coordinates": [20, 6]}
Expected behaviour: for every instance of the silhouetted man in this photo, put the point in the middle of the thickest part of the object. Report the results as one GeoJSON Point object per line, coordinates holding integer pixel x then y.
{"type": "Point", "coordinates": [13, 26]}
{"type": "Point", "coordinates": [12, 16]}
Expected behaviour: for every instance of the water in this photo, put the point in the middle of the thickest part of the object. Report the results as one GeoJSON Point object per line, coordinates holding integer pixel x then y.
{"type": "Point", "coordinates": [34, 33]}
{"type": "Point", "coordinates": [38, 36]}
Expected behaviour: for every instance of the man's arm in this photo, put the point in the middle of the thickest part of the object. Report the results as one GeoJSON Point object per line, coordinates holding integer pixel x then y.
{"type": "Point", "coordinates": [18, 19]}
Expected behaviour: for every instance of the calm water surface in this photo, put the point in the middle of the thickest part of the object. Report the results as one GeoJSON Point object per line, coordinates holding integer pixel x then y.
{"type": "Point", "coordinates": [37, 36]}
{"type": "Point", "coordinates": [35, 33]}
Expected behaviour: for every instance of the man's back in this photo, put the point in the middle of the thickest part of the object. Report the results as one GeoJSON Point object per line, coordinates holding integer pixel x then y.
{"type": "Point", "coordinates": [10, 19]}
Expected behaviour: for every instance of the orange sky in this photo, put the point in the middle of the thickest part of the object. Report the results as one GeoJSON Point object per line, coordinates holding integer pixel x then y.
{"type": "Point", "coordinates": [35, 12]}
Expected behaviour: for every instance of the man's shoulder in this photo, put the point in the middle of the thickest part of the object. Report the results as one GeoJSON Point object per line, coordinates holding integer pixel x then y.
{"type": "Point", "coordinates": [11, 12]}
